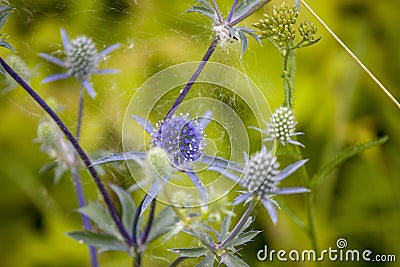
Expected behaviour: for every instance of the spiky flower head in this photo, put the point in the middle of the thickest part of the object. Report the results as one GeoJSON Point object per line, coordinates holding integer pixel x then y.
{"type": "Point", "coordinates": [81, 57]}
{"type": "Point", "coordinates": [81, 61]}
{"type": "Point", "coordinates": [307, 30]}
{"type": "Point", "coordinates": [278, 27]}
{"type": "Point", "coordinates": [20, 67]}
{"type": "Point", "coordinates": [181, 138]}
{"type": "Point", "coordinates": [261, 174]}
{"type": "Point", "coordinates": [262, 178]}
{"type": "Point", "coordinates": [282, 126]}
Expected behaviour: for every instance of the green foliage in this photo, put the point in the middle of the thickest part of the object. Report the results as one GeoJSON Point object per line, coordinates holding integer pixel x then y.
{"type": "Point", "coordinates": [342, 156]}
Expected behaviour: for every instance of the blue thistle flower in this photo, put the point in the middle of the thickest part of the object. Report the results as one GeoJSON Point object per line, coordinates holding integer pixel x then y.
{"type": "Point", "coordinates": [81, 61]}
{"type": "Point", "coordinates": [181, 138]}
{"type": "Point", "coordinates": [261, 179]}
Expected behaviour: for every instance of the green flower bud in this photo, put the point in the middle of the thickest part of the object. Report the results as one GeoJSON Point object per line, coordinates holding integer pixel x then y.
{"type": "Point", "coordinates": [46, 133]}
{"type": "Point", "coordinates": [158, 163]}
{"type": "Point", "coordinates": [20, 67]}
{"type": "Point", "coordinates": [307, 30]}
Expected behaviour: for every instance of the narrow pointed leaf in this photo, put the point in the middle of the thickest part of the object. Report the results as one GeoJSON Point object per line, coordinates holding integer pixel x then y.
{"type": "Point", "coordinates": [56, 77]}
{"type": "Point", "coordinates": [225, 227]}
{"type": "Point", "coordinates": [291, 169]}
{"type": "Point", "coordinates": [225, 173]}
{"type": "Point", "coordinates": [199, 185]}
{"type": "Point", "coordinates": [292, 190]}
{"type": "Point", "coordinates": [65, 39]}
{"type": "Point", "coordinates": [271, 210]}
{"type": "Point", "coordinates": [53, 60]}
{"type": "Point", "coordinates": [131, 155]}
{"type": "Point", "coordinates": [233, 261]}
{"type": "Point", "coordinates": [101, 218]}
{"type": "Point", "coordinates": [208, 261]}
{"type": "Point", "coordinates": [103, 242]}
{"type": "Point", "coordinates": [342, 156]}
{"type": "Point", "coordinates": [203, 10]}
{"type": "Point", "coordinates": [5, 11]}
{"type": "Point", "coordinates": [191, 252]}
{"type": "Point", "coordinates": [164, 222]}
{"type": "Point", "coordinates": [127, 205]}
{"type": "Point", "coordinates": [146, 125]}
{"type": "Point", "coordinates": [205, 119]}
{"type": "Point", "coordinates": [107, 51]}
{"type": "Point", "coordinates": [89, 88]}
{"type": "Point", "coordinates": [222, 163]}
{"type": "Point", "coordinates": [243, 238]}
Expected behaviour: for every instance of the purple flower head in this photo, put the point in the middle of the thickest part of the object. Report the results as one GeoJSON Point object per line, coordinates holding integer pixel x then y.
{"type": "Point", "coordinates": [81, 61]}
{"type": "Point", "coordinates": [181, 138]}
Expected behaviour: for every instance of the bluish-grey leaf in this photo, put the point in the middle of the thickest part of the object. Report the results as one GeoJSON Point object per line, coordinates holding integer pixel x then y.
{"type": "Point", "coordinates": [225, 227]}
{"type": "Point", "coordinates": [203, 10]}
{"type": "Point", "coordinates": [127, 205]}
{"type": "Point", "coordinates": [208, 261]}
{"type": "Point", "coordinates": [146, 125]}
{"type": "Point", "coordinates": [199, 185]}
{"type": "Point", "coordinates": [292, 190]}
{"type": "Point", "coordinates": [131, 155]}
{"type": "Point", "coordinates": [233, 261]}
{"type": "Point", "coordinates": [164, 222]}
{"type": "Point", "coordinates": [191, 252]}
{"type": "Point", "coordinates": [103, 242]}
{"type": "Point", "coordinates": [290, 169]}
{"type": "Point", "coordinates": [244, 41]}
{"type": "Point", "coordinates": [101, 217]}
{"type": "Point", "coordinates": [245, 8]}
{"type": "Point", "coordinates": [271, 210]}
{"type": "Point", "coordinates": [221, 162]}
{"type": "Point", "coordinates": [5, 44]}
{"type": "Point", "coordinates": [243, 238]}
{"type": "Point", "coordinates": [5, 11]}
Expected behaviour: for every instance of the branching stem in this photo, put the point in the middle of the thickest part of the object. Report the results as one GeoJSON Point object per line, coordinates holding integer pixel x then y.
{"type": "Point", "coordinates": [82, 154]}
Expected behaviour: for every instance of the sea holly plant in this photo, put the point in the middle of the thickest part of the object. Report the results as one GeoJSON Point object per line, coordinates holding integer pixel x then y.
{"type": "Point", "coordinates": [177, 144]}
{"type": "Point", "coordinates": [81, 61]}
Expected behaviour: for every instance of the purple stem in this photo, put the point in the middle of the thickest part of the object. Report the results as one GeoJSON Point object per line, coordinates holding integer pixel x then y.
{"type": "Point", "coordinates": [228, 19]}
{"type": "Point", "coordinates": [194, 77]}
{"type": "Point", "coordinates": [239, 225]}
{"type": "Point", "coordinates": [77, 147]}
{"type": "Point", "coordinates": [149, 222]}
{"type": "Point", "coordinates": [78, 184]}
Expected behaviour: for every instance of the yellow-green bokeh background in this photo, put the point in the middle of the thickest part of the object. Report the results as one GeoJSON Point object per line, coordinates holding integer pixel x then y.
{"type": "Point", "coordinates": [336, 105]}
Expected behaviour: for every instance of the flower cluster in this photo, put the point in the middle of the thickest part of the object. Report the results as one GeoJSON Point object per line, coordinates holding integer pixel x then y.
{"type": "Point", "coordinates": [279, 26]}
{"type": "Point", "coordinates": [281, 127]}
{"type": "Point", "coordinates": [262, 177]}
{"type": "Point", "coordinates": [81, 58]}
{"type": "Point", "coordinates": [81, 61]}
{"type": "Point", "coordinates": [181, 138]}
{"type": "Point", "coordinates": [54, 144]}
{"type": "Point", "coordinates": [307, 30]}
{"type": "Point", "coordinates": [20, 67]}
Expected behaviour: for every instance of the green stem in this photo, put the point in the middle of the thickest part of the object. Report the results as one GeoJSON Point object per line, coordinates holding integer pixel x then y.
{"type": "Point", "coordinates": [309, 203]}
{"type": "Point", "coordinates": [289, 70]}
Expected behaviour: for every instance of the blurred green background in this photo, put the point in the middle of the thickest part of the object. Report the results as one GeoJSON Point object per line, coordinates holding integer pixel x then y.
{"type": "Point", "coordinates": [336, 105]}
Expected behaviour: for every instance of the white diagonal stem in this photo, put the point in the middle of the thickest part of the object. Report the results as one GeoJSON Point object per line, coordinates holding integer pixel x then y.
{"type": "Point", "coordinates": [353, 56]}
